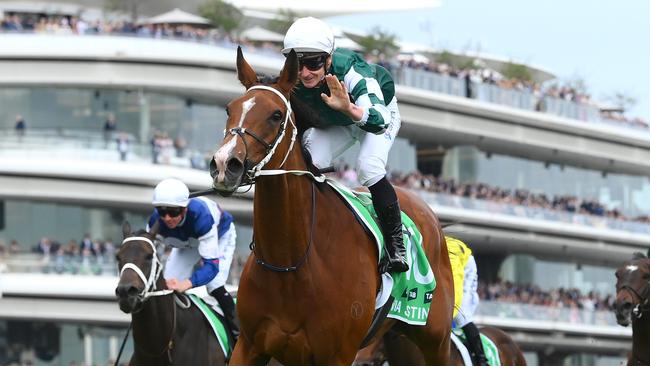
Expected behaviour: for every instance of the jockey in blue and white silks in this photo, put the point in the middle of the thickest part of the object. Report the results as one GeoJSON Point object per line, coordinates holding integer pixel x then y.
{"type": "Point", "coordinates": [198, 231]}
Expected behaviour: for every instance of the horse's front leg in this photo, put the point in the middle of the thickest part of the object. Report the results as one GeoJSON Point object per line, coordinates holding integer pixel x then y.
{"type": "Point", "coordinates": [245, 355]}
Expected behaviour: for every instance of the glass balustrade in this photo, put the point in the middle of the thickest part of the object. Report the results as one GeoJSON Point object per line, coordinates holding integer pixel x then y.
{"type": "Point", "coordinates": [528, 312]}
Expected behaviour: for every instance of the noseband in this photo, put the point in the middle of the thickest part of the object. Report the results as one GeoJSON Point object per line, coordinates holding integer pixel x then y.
{"type": "Point", "coordinates": [154, 273]}
{"type": "Point", "coordinates": [255, 171]}
{"type": "Point", "coordinates": [643, 296]}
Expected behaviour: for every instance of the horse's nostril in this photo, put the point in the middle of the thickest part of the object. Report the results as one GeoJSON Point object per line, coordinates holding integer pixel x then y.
{"type": "Point", "coordinates": [234, 167]}
{"type": "Point", "coordinates": [126, 290]}
{"type": "Point", "coordinates": [214, 171]}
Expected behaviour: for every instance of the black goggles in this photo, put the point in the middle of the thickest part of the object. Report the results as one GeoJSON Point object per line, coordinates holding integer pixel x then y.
{"type": "Point", "coordinates": [312, 63]}
{"type": "Point", "coordinates": [171, 211]}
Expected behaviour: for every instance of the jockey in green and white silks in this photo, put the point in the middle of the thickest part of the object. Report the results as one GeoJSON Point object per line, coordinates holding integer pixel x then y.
{"type": "Point", "coordinates": [358, 100]}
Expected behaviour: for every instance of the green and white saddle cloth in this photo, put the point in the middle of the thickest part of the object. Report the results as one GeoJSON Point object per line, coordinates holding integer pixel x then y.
{"type": "Point", "coordinates": [218, 327]}
{"type": "Point", "coordinates": [413, 289]}
{"type": "Point", "coordinates": [491, 350]}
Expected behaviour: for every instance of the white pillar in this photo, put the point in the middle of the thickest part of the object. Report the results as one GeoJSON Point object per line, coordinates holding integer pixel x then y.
{"type": "Point", "coordinates": [88, 349]}
{"type": "Point", "coordinates": [145, 117]}
{"type": "Point", "coordinates": [112, 347]}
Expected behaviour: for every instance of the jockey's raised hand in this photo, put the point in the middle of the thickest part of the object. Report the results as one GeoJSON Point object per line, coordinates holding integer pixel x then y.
{"type": "Point", "coordinates": [339, 99]}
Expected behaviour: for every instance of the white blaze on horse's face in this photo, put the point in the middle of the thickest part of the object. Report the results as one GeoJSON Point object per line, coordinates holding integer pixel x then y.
{"type": "Point", "coordinates": [221, 157]}
{"type": "Point", "coordinates": [246, 106]}
{"type": "Point", "coordinates": [227, 150]}
{"type": "Point", "coordinates": [631, 268]}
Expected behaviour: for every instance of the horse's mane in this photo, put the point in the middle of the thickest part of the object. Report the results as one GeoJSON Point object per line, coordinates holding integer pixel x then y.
{"type": "Point", "coordinates": [639, 255]}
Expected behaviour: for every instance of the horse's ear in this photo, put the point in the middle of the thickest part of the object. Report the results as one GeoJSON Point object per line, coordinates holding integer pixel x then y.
{"type": "Point", "coordinates": [126, 229]}
{"type": "Point", "coordinates": [289, 73]}
{"type": "Point", "coordinates": [153, 231]}
{"type": "Point", "coordinates": [245, 72]}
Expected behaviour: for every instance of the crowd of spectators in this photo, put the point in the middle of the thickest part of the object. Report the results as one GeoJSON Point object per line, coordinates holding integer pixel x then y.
{"type": "Point", "coordinates": [86, 256]}
{"type": "Point", "coordinates": [506, 291]}
{"type": "Point", "coordinates": [484, 75]}
{"type": "Point", "coordinates": [478, 73]}
{"type": "Point", "coordinates": [521, 197]}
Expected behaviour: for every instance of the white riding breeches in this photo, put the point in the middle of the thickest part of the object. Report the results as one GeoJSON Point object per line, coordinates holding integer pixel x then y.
{"type": "Point", "coordinates": [329, 143]}
{"type": "Point", "coordinates": [470, 295]}
{"type": "Point", "coordinates": [181, 261]}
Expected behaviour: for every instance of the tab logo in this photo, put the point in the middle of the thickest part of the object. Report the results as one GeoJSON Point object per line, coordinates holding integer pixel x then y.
{"type": "Point", "coordinates": [413, 294]}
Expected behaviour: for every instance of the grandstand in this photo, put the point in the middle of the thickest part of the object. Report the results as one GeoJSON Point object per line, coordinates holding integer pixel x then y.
{"type": "Point", "coordinates": [547, 190]}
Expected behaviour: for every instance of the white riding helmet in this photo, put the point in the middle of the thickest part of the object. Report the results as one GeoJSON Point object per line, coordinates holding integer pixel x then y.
{"type": "Point", "coordinates": [309, 35]}
{"type": "Point", "coordinates": [171, 192]}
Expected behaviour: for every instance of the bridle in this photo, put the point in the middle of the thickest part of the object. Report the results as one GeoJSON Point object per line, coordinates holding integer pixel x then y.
{"type": "Point", "coordinates": [154, 273]}
{"type": "Point", "coordinates": [643, 296]}
{"type": "Point", "coordinates": [256, 170]}
{"type": "Point", "coordinates": [150, 291]}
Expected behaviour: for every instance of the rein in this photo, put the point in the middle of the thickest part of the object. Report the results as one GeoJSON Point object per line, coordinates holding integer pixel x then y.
{"type": "Point", "coordinates": [256, 171]}
{"type": "Point", "coordinates": [302, 260]}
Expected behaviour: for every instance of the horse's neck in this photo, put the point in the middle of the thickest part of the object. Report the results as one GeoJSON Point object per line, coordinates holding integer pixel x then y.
{"type": "Point", "coordinates": [641, 339]}
{"type": "Point", "coordinates": [153, 325]}
{"type": "Point", "coordinates": [283, 213]}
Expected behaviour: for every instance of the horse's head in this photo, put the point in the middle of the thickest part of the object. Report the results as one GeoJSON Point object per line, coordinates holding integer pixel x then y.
{"type": "Point", "coordinates": [139, 267]}
{"type": "Point", "coordinates": [632, 288]}
{"type": "Point", "coordinates": [259, 131]}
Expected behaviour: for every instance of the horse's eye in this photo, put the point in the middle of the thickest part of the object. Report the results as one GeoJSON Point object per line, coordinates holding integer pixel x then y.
{"type": "Point", "coordinates": [277, 116]}
{"type": "Point", "coordinates": [117, 258]}
{"type": "Point", "coordinates": [149, 257]}
{"type": "Point", "coordinates": [227, 112]}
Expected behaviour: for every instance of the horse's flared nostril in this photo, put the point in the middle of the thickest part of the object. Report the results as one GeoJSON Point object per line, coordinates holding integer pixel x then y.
{"type": "Point", "coordinates": [214, 171]}
{"type": "Point", "coordinates": [126, 291]}
{"type": "Point", "coordinates": [234, 167]}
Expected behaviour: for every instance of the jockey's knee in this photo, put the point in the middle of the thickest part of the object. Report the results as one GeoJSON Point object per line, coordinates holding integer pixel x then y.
{"type": "Point", "coordinates": [321, 162]}
{"type": "Point", "coordinates": [371, 170]}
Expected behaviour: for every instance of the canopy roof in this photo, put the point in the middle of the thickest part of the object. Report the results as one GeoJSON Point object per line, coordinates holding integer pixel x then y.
{"type": "Point", "coordinates": [178, 16]}
{"type": "Point", "coordinates": [331, 7]}
{"type": "Point", "coordinates": [260, 34]}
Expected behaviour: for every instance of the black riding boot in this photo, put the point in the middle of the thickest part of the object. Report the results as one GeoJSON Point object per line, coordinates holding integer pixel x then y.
{"type": "Point", "coordinates": [475, 345]}
{"type": "Point", "coordinates": [228, 306]}
{"type": "Point", "coordinates": [385, 203]}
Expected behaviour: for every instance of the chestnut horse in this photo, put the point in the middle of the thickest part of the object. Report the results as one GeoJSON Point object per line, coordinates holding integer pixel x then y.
{"type": "Point", "coordinates": [307, 292]}
{"type": "Point", "coordinates": [632, 303]}
{"type": "Point", "coordinates": [163, 333]}
{"type": "Point", "coordinates": [398, 350]}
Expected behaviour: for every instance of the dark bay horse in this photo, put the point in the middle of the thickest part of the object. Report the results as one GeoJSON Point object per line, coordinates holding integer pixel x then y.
{"type": "Point", "coordinates": [632, 305]}
{"type": "Point", "coordinates": [163, 332]}
{"type": "Point", "coordinates": [399, 351]}
{"type": "Point", "coordinates": [307, 292]}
